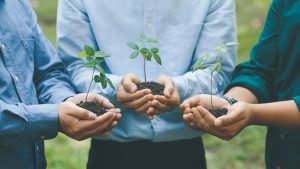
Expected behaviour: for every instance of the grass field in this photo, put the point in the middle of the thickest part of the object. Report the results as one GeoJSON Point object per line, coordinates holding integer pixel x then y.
{"type": "Point", "coordinates": [244, 152]}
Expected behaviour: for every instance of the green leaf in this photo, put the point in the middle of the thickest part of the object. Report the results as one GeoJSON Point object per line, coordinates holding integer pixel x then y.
{"type": "Point", "coordinates": [89, 64]}
{"type": "Point", "coordinates": [133, 46]}
{"type": "Point", "coordinates": [221, 49]}
{"type": "Point", "coordinates": [144, 52]}
{"type": "Point", "coordinates": [103, 83]}
{"type": "Point", "coordinates": [101, 54]}
{"type": "Point", "coordinates": [134, 54]}
{"type": "Point", "coordinates": [149, 56]}
{"type": "Point", "coordinates": [231, 44]}
{"type": "Point", "coordinates": [198, 65]}
{"type": "Point", "coordinates": [219, 59]}
{"type": "Point", "coordinates": [90, 58]}
{"type": "Point", "coordinates": [154, 50]}
{"type": "Point", "coordinates": [97, 78]}
{"type": "Point", "coordinates": [99, 60]}
{"type": "Point", "coordinates": [109, 83]}
{"type": "Point", "coordinates": [89, 50]}
{"type": "Point", "coordinates": [142, 35]}
{"type": "Point", "coordinates": [151, 40]}
{"type": "Point", "coordinates": [157, 58]}
{"type": "Point", "coordinates": [219, 67]}
{"type": "Point", "coordinates": [213, 67]}
{"type": "Point", "coordinates": [82, 54]}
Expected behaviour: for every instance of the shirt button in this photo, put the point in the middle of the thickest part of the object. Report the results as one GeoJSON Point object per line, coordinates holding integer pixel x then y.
{"type": "Point", "coordinates": [43, 137]}
{"type": "Point", "coordinates": [149, 24]}
{"type": "Point", "coordinates": [37, 148]}
{"type": "Point", "coordinates": [282, 136]}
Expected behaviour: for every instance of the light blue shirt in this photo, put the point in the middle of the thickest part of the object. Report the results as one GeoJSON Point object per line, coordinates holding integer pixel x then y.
{"type": "Point", "coordinates": [185, 30]}
{"type": "Point", "coordinates": [31, 73]}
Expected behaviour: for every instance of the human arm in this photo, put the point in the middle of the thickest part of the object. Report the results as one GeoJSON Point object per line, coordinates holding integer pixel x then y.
{"type": "Point", "coordinates": [72, 17]}
{"type": "Point", "coordinates": [21, 124]}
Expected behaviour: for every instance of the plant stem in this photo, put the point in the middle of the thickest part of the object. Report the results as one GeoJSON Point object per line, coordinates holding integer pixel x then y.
{"type": "Point", "coordinates": [145, 75]}
{"type": "Point", "coordinates": [90, 85]}
{"type": "Point", "coordinates": [211, 90]}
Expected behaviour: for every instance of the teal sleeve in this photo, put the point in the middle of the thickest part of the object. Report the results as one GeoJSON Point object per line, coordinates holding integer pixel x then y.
{"type": "Point", "coordinates": [259, 72]}
{"type": "Point", "coordinates": [297, 101]}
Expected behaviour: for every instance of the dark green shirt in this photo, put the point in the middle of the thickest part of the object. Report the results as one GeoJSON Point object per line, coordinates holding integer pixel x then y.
{"type": "Point", "coordinates": [273, 74]}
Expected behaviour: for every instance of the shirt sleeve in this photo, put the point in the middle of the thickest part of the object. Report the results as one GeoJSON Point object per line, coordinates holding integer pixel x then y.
{"type": "Point", "coordinates": [258, 74]}
{"type": "Point", "coordinates": [52, 84]}
{"type": "Point", "coordinates": [72, 18]}
{"type": "Point", "coordinates": [219, 27]}
{"type": "Point", "coordinates": [21, 124]}
{"type": "Point", "coordinates": [297, 101]}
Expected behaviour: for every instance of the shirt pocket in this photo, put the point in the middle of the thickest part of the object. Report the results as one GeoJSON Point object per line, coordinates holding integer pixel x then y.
{"type": "Point", "coordinates": [29, 49]}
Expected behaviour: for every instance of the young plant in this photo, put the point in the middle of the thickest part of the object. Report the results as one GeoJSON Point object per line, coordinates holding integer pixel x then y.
{"type": "Point", "coordinates": [214, 67]}
{"type": "Point", "coordinates": [94, 60]}
{"type": "Point", "coordinates": [147, 52]}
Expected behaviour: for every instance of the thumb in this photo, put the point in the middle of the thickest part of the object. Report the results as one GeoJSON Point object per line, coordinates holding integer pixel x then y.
{"type": "Point", "coordinates": [227, 120]}
{"type": "Point", "coordinates": [83, 114]}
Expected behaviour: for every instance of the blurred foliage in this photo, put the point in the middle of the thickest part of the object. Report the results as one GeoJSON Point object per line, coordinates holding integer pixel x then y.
{"type": "Point", "coordinates": [246, 151]}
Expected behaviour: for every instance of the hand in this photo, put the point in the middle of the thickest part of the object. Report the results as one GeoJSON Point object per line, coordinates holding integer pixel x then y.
{"type": "Point", "coordinates": [167, 102]}
{"type": "Point", "coordinates": [80, 124]}
{"type": "Point", "coordinates": [203, 100]}
{"type": "Point", "coordinates": [224, 127]}
{"type": "Point", "coordinates": [92, 97]}
{"type": "Point", "coordinates": [128, 95]}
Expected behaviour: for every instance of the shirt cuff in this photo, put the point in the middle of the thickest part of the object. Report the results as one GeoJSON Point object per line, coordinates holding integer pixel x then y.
{"type": "Point", "coordinates": [181, 86]}
{"type": "Point", "coordinates": [297, 100]}
{"type": "Point", "coordinates": [254, 85]}
{"type": "Point", "coordinates": [43, 121]}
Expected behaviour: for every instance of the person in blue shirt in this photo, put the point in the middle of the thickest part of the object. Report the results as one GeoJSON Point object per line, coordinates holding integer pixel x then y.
{"type": "Point", "coordinates": [185, 31]}
{"type": "Point", "coordinates": [32, 88]}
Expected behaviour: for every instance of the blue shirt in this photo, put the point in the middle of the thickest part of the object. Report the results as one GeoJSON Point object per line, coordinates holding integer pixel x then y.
{"type": "Point", "coordinates": [31, 73]}
{"type": "Point", "coordinates": [185, 30]}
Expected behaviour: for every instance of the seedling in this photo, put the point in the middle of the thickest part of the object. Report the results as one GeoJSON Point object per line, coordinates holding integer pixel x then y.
{"type": "Point", "coordinates": [94, 61]}
{"type": "Point", "coordinates": [214, 67]}
{"type": "Point", "coordinates": [148, 52]}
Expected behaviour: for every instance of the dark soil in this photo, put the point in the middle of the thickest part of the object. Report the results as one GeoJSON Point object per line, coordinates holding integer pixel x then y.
{"type": "Point", "coordinates": [218, 112]}
{"type": "Point", "coordinates": [156, 88]}
{"type": "Point", "coordinates": [93, 107]}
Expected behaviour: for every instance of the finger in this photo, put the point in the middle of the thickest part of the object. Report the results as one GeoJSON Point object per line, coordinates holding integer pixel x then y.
{"type": "Point", "coordinates": [139, 102]}
{"type": "Point", "coordinates": [153, 111]}
{"type": "Point", "coordinates": [192, 102]}
{"type": "Point", "coordinates": [207, 116]}
{"type": "Point", "coordinates": [129, 83]}
{"type": "Point", "coordinates": [143, 108]}
{"type": "Point", "coordinates": [229, 119]}
{"type": "Point", "coordinates": [101, 129]}
{"type": "Point", "coordinates": [187, 118]}
{"type": "Point", "coordinates": [124, 96]}
{"type": "Point", "coordinates": [150, 116]}
{"type": "Point", "coordinates": [102, 122]}
{"type": "Point", "coordinates": [104, 102]}
{"type": "Point", "coordinates": [83, 114]}
{"type": "Point", "coordinates": [161, 107]}
{"type": "Point", "coordinates": [169, 88]}
{"type": "Point", "coordinates": [168, 101]}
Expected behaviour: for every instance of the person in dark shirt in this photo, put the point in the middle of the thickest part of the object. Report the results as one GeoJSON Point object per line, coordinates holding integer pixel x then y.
{"type": "Point", "coordinates": [270, 78]}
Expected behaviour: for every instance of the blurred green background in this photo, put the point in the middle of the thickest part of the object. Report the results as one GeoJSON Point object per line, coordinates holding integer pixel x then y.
{"type": "Point", "coordinates": [244, 152]}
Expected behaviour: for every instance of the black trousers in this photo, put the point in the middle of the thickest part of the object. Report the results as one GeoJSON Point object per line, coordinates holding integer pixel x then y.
{"type": "Point", "coordinates": [185, 154]}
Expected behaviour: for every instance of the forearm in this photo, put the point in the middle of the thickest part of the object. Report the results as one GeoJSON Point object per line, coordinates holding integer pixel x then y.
{"type": "Point", "coordinates": [21, 124]}
{"type": "Point", "coordinates": [242, 94]}
{"type": "Point", "coordinates": [278, 114]}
